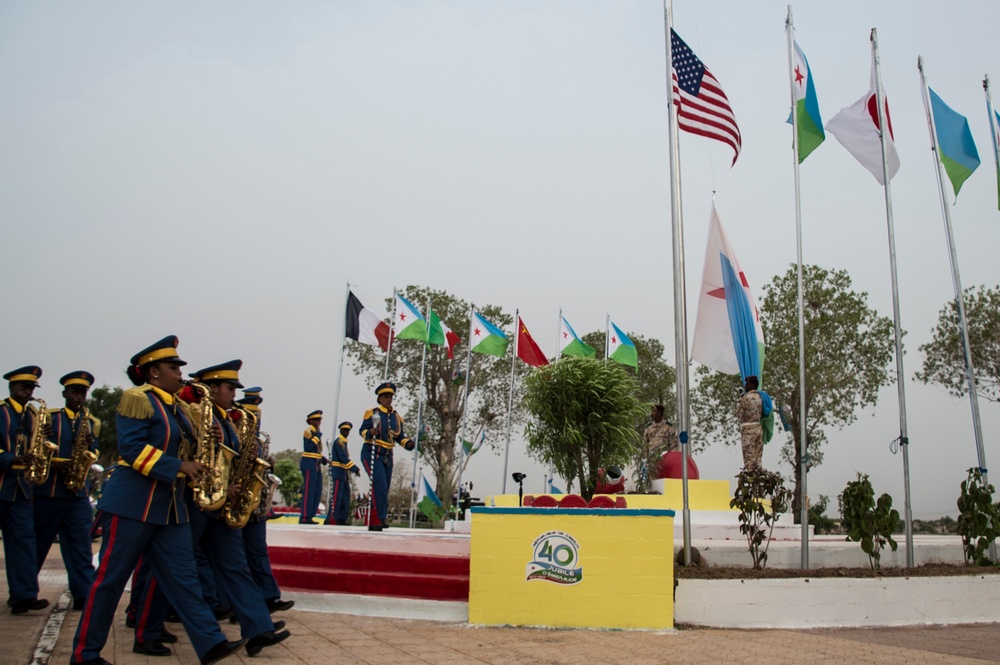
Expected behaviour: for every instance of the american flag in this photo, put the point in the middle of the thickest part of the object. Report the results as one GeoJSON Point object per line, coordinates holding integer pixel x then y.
{"type": "Point", "coordinates": [702, 107]}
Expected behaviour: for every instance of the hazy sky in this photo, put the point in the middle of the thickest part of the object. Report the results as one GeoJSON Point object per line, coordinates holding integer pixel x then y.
{"type": "Point", "coordinates": [220, 170]}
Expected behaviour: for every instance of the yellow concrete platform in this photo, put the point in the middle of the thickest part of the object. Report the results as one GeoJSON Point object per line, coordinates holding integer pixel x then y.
{"type": "Point", "coordinates": [702, 495]}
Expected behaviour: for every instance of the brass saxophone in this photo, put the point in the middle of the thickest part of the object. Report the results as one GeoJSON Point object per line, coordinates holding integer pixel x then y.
{"type": "Point", "coordinates": [210, 492]}
{"type": "Point", "coordinates": [81, 457]}
{"type": "Point", "coordinates": [273, 481]}
{"type": "Point", "coordinates": [248, 472]}
{"type": "Point", "coordinates": [39, 447]}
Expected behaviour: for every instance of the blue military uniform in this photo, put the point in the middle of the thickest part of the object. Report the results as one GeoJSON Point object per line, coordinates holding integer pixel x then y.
{"type": "Point", "coordinates": [60, 511]}
{"type": "Point", "coordinates": [255, 531]}
{"type": "Point", "coordinates": [16, 514]}
{"type": "Point", "coordinates": [381, 429]}
{"type": "Point", "coordinates": [222, 544]}
{"type": "Point", "coordinates": [340, 486]}
{"type": "Point", "coordinates": [143, 515]}
{"type": "Point", "coordinates": [309, 463]}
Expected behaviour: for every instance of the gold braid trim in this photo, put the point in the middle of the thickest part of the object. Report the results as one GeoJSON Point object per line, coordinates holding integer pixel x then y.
{"type": "Point", "coordinates": [191, 411]}
{"type": "Point", "coordinates": [135, 403]}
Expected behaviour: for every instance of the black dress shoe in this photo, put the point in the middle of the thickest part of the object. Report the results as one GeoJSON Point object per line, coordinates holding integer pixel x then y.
{"type": "Point", "coordinates": [78, 604]}
{"type": "Point", "coordinates": [221, 614]}
{"type": "Point", "coordinates": [151, 649]}
{"type": "Point", "coordinates": [167, 637]}
{"type": "Point", "coordinates": [256, 644]}
{"type": "Point", "coordinates": [23, 606]}
{"type": "Point", "coordinates": [278, 625]}
{"type": "Point", "coordinates": [221, 650]}
{"type": "Point", "coordinates": [374, 527]}
{"type": "Point", "coordinates": [278, 605]}
{"type": "Point", "coordinates": [170, 618]}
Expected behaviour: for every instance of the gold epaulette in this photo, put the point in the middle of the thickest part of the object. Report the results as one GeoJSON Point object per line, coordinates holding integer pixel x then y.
{"type": "Point", "coordinates": [368, 414]}
{"type": "Point", "coordinates": [95, 426]}
{"type": "Point", "coordinates": [308, 434]}
{"type": "Point", "coordinates": [189, 410]}
{"type": "Point", "coordinates": [135, 403]}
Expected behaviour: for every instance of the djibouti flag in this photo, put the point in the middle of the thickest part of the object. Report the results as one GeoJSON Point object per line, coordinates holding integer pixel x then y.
{"type": "Point", "coordinates": [956, 149]}
{"type": "Point", "coordinates": [621, 349]}
{"type": "Point", "coordinates": [570, 343]}
{"type": "Point", "coordinates": [810, 126]}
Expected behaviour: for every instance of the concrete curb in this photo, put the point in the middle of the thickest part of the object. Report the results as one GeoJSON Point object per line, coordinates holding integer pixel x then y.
{"type": "Point", "coordinates": [838, 603]}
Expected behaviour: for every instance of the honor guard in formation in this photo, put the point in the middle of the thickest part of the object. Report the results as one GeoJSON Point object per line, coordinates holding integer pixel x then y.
{"type": "Point", "coordinates": [62, 502]}
{"type": "Point", "coordinates": [312, 457]}
{"type": "Point", "coordinates": [143, 512]}
{"type": "Point", "coordinates": [381, 430]}
{"type": "Point", "coordinates": [22, 435]}
{"type": "Point", "coordinates": [255, 531]}
{"type": "Point", "coordinates": [340, 486]}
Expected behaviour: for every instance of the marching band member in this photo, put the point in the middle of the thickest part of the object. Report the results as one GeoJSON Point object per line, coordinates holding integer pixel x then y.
{"type": "Point", "coordinates": [16, 522]}
{"type": "Point", "coordinates": [255, 531]}
{"type": "Point", "coordinates": [143, 511]}
{"type": "Point", "coordinates": [309, 463]}
{"type": "Point", "coordinates": [382, 429]}
{"type": "Point", "coordinates": [222, 544]}
{"type": "Point", "coordinates": [340, 487]}
{"type": "Point", "coordinates": [63, 511]}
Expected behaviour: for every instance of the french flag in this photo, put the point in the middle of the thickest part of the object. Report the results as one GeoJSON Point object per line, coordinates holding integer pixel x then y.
{"type": "Point", "coordinates": [364, 325]}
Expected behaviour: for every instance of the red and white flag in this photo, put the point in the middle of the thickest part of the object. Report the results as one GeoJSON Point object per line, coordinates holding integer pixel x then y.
{"type": "Point", "coordinates": [857, 129]}
{"type": "Point", "coordinates": [365, 326]}
{"type": "Point", "coordinates": [702, 106]}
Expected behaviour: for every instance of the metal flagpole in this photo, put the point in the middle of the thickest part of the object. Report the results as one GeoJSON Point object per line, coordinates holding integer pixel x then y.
{"type": "Point", "coordinates": [420, 411]}
{"type": "Point", "coordinates": [680, 295]}
{"type": "Point", "coordinates": [607, 336]}
{"type": "Point", "coordinates": [392, 337]}
{"type": "Point", "coordinates": [336, 402]}
{"type": "Point", "coordinates": [385, 377]}
{"type": "Point", "coordinates": [904, 440]}
{"type": "Point", "coordinates": [510, 399]}
{"type": "Point", "coordinates": [993, 127]}
{"type": "Point", "coordinates": [803, 442]}
{"type": "Point", "coordinates": [970, 372]}
{"type": "Point", "coordinates": [465, 408]}
{"type": "Point", "coordinates": [552, 466]}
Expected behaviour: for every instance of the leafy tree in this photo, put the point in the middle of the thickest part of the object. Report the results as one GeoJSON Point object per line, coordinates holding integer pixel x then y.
{"type": "Point", "coordinates": [585, 413]}
{"type": "Point", "coordinates": [286, 467]}
{"type": "Point", "coordinates": [103, 404]}
{"type": "Point", "coordinates": [849, 350]}
{"type": "Point", "coordinates": [817, 515]}
{"type": "Point", "coordinates": [655, 377]}
{"type": "Point", "coordinates": [944, 362]}
{"type": "Point", "coordinates": [444, 383]}
{"type": "Point", "coordinates": [656, 380]}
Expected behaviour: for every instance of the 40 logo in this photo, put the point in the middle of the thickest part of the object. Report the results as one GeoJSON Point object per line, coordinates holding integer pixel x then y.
{"type": "Point", "coordinates": [556, 559]}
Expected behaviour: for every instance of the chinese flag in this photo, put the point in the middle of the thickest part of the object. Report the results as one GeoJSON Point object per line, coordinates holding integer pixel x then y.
{"type": "Point", "coordinates": [527, 349]}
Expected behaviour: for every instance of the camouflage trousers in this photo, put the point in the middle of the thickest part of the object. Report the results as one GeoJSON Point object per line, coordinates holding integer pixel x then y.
{"type": "Point", "coordinates": [752, 438]}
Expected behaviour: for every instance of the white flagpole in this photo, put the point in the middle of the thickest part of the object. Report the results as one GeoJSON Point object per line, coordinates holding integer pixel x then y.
{"type": "Point", "coordinates": [465, 408]}
{"type": "Point", "coordinates": [607, 336]}
{"type": "Point", "coordinates": [803, 441]}
{"type": "Point", "coordinates": [970, 372]}
{"type": "Point", "coordinates": [904, 440]}
{"type": "Point", "coordinates": [340, 368]}
{"type": "Point", "coordinates": [420, 411]}
{"type": "Point", "coordinates": [552, 466]}
{"type": "Point", "coordinates": [336, 402]}
{"type": "Point", "coordinates": [392, 336]}
{"type": "Point", "coordinates": [993, 128]}
{"type": "Point", "coordinates": [510, 399]}
{"type": "Point", "coordinates": [680, 292]}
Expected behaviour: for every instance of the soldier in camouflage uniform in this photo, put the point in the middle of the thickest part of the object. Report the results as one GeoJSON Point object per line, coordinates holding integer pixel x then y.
{"type": "Point", "coordinates": [749, 411]}
{"type": "Point", "coordinates": [660, 436]}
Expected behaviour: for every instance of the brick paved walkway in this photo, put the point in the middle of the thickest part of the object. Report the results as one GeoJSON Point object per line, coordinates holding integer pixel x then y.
{"type": "Point", "coordinates": [335, 638]}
